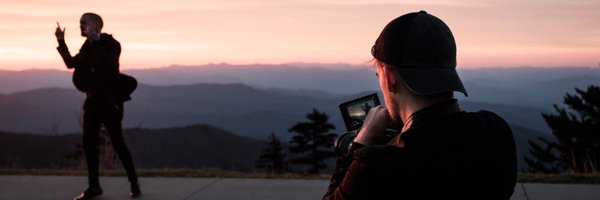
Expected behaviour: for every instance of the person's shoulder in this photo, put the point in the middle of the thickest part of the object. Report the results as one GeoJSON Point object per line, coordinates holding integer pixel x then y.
{"type": "Point", "coordinates": [481, 114]}
{"type": "Point", "coordinates": [487, 119]}
{"type": "Point", "coordinates": [108, 38]}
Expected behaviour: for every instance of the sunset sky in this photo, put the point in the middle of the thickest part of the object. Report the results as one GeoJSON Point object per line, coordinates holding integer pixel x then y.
{"type": "Point", "coordinates": [159, 33]}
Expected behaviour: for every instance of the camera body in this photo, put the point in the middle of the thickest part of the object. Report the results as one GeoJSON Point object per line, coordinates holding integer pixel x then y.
{"type": "Point", "coordinates": [354, 113]}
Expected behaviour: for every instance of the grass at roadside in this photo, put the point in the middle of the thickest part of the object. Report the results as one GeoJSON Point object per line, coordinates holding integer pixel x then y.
{"type": "Point", "coordinates": [560, 178]}
{"type": "Point", "coordinates": [209, 173]}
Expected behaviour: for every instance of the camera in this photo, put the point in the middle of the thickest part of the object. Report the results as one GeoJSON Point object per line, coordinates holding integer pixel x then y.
{"type": "Point", "coordinates": [354, 113]}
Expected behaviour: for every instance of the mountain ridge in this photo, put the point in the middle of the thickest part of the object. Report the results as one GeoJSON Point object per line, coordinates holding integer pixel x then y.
{"type": "Point", "coordinates": [224, 105]}
{"type": "Point", "coordinates": [529, 86]}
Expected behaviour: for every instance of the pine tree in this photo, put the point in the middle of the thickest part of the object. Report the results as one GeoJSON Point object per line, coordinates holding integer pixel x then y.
{"type": "Point", "coordinates": [272, 158]}
{"type": "Point", "coordinates": [312, 142]}
{"type": "Point", "coordinates": [577, 132]}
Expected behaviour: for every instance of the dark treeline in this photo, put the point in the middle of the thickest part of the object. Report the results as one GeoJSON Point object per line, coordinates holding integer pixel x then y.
{"type": "Point", "coordinates": [307, 151]}
{"type": "Point", "coordinates": [198, 146]}
{"type": "Point", "coordinates": [576, 131]}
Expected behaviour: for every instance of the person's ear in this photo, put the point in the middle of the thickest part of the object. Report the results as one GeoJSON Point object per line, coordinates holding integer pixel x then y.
{"type": "Point", "coordinates": [391, 80]}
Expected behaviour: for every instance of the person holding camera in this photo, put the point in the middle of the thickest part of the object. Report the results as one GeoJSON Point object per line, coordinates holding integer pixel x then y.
{"type": "Point", "coordinates": [440, 151]}
{"type": "Point", "coordinates": [97, 74]}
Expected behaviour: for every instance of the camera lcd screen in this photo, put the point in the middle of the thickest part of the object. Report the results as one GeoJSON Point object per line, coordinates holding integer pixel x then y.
{"type": "Point", "coordinates": [355, 111]}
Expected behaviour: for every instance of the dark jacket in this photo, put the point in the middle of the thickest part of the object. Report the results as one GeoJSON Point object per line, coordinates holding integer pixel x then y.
{"type": "Point", "coordinates": [96, 68]}
{"type": "Point", "coordinates": [447, 154]}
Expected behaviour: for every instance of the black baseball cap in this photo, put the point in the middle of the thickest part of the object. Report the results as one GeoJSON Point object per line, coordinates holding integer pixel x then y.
{"type": "Point", "coordinates": [422, 49]}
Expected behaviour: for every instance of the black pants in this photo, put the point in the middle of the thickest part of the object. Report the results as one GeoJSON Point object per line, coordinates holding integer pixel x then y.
{"type": "Point", "coordinates": [97, 113]}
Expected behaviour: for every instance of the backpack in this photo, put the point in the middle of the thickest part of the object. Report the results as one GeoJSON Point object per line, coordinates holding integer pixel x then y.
{"type": "Point", "coordinates": [79, 80]}
{"type": "Point", "coordinates": [127, 84]}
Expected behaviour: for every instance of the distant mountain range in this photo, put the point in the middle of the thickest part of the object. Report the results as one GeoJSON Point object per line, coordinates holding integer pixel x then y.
{"type": "Point", "coordinates": [31, 95]}
{"type": "Point", "coordinates": [524, 87]}
{"type": "Point", "coordinates": [238, 108]}
{"type": "Point", "coordinates": [253, 101]}
{"type": "Point", "coordinates": [527, 87]}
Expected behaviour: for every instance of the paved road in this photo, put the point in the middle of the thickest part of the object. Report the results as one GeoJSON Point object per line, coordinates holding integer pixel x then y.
{"type": "Point", "coordinates": [66, 187]}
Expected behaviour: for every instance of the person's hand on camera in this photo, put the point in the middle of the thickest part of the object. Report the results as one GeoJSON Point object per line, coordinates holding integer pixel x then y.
{"type": "Point", "coordinates": [372, 131]}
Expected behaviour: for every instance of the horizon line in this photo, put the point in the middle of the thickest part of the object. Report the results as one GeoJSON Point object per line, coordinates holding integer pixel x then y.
{"type": "Point", "coordinates": [326, 65]}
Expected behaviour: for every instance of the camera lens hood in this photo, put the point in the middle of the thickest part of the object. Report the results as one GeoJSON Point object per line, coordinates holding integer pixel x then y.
{"type": "Point", "coordinates": [342, 144]}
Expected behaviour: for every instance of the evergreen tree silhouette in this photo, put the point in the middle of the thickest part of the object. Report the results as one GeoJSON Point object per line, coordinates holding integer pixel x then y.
{"type": "Point", "coordinates": [272, 159]}
{"type": "Point", "coordinates": [312, 142]}
{"type": "Point", "coordinates": [577, 133]}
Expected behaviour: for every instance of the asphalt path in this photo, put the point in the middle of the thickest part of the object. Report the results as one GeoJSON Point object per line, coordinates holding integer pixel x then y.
{"type": "Point", "coordinates": [17, 187]}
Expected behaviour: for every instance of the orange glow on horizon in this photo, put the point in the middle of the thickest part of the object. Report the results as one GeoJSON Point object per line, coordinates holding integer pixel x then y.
{"type": "Point", "coordinates": [159, 33]}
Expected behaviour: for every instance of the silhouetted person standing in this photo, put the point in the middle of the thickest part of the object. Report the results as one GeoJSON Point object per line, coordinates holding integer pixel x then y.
{"type": "Point", "coordinates": [96, 73]}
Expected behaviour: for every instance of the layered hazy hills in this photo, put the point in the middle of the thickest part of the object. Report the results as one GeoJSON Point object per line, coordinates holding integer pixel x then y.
{"type": "Point", "coordinates": [239, 108]}
{"type": "Point", "coordinates": [236, 107]}
{"type": "Point", "coordinates": [527, 87]}
{"type": "Point", "coordinates": [189, 147]}
{"type": "Point", "coordinates": [253, 101]}
{"type": "Point", "coordinates": [232, 96]}
{"type": "Point", "coordinates": [524, 86]}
